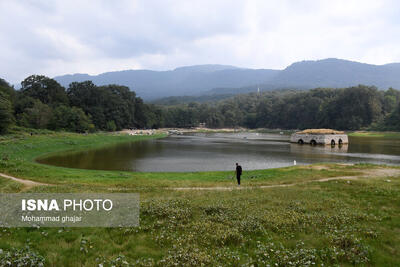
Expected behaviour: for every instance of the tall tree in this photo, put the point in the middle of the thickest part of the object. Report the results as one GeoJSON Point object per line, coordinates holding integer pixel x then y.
{"type": "Point", "coordinates": [47, 90]}
{"type": "Point", "coordinates": [6, 116]}
{"type": "Point", "coordinates": [392, 122]}
{"type": "Point", "coordinates": [111, 106]}
{"type": "Point", "coordinates": [38, 116]}
{"type": "Point", "coordinates": [6, 88]}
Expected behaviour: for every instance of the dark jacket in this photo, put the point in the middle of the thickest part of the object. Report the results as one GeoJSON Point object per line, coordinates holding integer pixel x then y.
{"type": "Point", "coordinates": [238, 170]}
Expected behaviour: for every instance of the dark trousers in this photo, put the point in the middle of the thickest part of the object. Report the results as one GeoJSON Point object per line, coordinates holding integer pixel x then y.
{"type": "Point", "coordinates": [238, 178]}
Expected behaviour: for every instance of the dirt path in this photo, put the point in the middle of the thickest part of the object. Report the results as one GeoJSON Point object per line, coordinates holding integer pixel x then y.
{"type": "Point", "coordinates": [367, 174]}
{"type": "Point", "coordinates": [27, 183]}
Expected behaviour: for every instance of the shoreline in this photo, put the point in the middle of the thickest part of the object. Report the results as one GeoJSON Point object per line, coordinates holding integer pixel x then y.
{"type": "Point", "coordinates": [25, 154]}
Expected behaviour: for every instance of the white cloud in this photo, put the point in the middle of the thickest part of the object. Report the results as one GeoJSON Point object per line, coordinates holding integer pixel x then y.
{"type": "Point", "coordinates": [58, 37]}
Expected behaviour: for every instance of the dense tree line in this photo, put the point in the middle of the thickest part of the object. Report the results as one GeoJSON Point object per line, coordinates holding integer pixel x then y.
{"type": "Point", "coordinates": [347, 109]}
{"type": "Point", "coordinates": [43, 103]}
{"type": "Point", "coordinates": [7, 95]}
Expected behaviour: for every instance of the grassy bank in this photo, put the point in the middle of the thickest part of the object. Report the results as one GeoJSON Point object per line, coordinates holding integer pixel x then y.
{"type": "Point", "coordinates": [342, 222]}
{"type": "Point", "coordinates": [389, 135]}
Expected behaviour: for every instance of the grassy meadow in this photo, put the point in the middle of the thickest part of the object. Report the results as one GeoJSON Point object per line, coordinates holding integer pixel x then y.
{"type": "Point", "coordinates": [341, 222]}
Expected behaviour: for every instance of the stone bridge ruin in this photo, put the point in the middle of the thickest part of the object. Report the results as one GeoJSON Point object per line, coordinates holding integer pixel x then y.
{"type": "Point", "coordinates": [320, 137]}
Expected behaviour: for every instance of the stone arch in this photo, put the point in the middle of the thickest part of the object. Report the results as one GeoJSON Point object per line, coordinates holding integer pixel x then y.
{"type": "Point", "coordinates": [313, 142]}
{"type": "Point", "coordinates": [300, 141]}
{"type": "Point", "coordinates": [333, 142]}
{"type": "Point", "coordinates": [340, 142]}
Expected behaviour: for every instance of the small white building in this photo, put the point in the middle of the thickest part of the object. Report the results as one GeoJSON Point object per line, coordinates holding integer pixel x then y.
{"type": "Point", "coordinates": [320, 137]}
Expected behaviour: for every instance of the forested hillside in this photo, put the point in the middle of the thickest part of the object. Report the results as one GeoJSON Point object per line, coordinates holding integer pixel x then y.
{"type": "Point", "coordinates": [338, 73]}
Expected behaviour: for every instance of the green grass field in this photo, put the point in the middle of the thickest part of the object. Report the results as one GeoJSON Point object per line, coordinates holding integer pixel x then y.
{"type": "Point", "coordinates": [339, 222]}
{"type": "Point", "coordinates": [390, 135]}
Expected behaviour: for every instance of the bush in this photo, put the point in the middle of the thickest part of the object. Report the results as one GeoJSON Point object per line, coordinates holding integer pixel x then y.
{"type": "Point", "coordinates": [111, 127]}
{"type": "Point", "coordinates": [70, 119]}
{"type": "Point", "coordinates": [21, 257]}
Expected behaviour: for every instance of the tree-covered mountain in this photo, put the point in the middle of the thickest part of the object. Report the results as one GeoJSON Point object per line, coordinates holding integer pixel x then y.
{"type": "Point", "coordinates": [337, 73]}
{"type": "Point", "coordinates": [222, 79]}
{"type": "Point", "coordinates": [331, 72]}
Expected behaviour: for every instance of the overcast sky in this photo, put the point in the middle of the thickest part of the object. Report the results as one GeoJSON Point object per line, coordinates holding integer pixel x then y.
{"type": "Point", "coordinates": [55, 37]}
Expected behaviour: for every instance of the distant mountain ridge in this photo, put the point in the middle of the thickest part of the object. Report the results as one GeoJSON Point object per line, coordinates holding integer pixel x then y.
{"type": "Point", "coordinates": [206, 68]}
{"type": "Point", "coordinates": [225, 79]}
{"type": "Point", "coordinates": [334, 72]}
{"type": "Point", "coordinates": [192, 80]}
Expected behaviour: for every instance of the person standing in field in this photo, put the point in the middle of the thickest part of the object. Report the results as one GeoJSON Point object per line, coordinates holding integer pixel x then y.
{"type": "Point", "coordinates": [238, 172]}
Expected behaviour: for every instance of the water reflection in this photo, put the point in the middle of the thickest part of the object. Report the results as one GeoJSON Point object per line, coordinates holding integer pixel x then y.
{"type": "Point", "coordinates": [309, 149]}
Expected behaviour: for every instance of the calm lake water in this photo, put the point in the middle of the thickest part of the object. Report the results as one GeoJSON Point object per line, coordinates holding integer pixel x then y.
{"type": "Point", "coordinates": [220, 151]}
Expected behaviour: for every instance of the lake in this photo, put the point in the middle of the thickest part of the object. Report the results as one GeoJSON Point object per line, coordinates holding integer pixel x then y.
{"type": "Point", "coordinates": [220, 151]}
